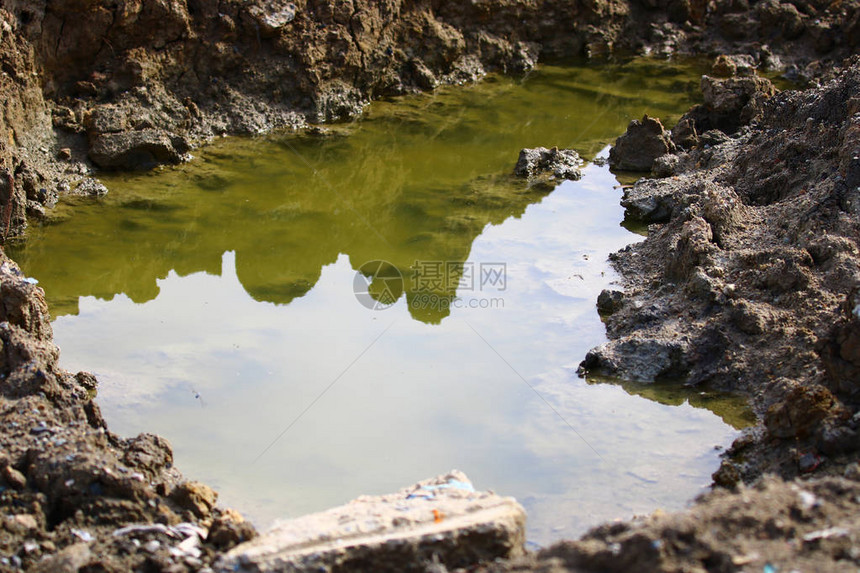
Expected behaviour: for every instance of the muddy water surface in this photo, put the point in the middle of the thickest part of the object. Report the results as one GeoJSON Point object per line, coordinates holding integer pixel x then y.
{"type": "Point", "coordinates": [234, 305]}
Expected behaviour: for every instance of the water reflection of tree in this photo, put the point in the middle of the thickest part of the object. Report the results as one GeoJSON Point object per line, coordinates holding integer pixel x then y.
{"type": "Point", "coordinates": [419, 181]}
{"type": "Point", "coordinates": [283, 224]}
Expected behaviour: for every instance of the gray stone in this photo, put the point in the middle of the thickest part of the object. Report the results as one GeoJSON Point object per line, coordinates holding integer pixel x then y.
{"type": "Point", "coordinates": [684, 134]}
{"type": "Point", "coordinates": [714, 137]}
{"type": "Point", "coordinates": [142, 149]}
{"type": "Point", "coordinates": [90, 187]}
{"type": "Point", "coordinates": [639, 359]}
{"type": "Point", "coordinates": [442, 519]}
{"type": "Point", "coordinates": [808, 462]}
{"type": "Point", "coordinates": [649, 201]}
{"type": "Point", "coordinates": [732, 95]}
{"type": "Point", "coordinates": [556, 163]}
{"type": "Point", "coordinates": [665, 165]}
{"type": "Point", "coordinates": [732, 102]}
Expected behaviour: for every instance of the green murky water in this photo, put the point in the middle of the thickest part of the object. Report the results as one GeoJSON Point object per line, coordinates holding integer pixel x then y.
{"type": "Point", "coordinates": [221, 306]}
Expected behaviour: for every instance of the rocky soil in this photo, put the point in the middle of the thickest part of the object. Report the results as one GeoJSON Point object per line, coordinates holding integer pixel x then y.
{"type": "Point", "coordinates": [72, 494]}
{"type": "Point", "coordinates": [749, 279]}
{"type": "Point", "coordinates": [773, 526]}
{"type": "Point", "coordinates": [126, 84]}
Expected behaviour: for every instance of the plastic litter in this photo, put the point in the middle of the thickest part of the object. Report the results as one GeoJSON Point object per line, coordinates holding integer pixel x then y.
{"type": "Point", "coordinates": [428, 491]}
{"type": "Point", "coordinates": [138, 529]}
{"type": "Point", "coordinates": [83, 535]}
{"type": "Point", "coordinates": [826, 533]}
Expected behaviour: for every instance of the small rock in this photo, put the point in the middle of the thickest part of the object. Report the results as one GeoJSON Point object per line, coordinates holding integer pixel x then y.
{"type": "Point", "coordinates": [727, 475]}
{"type": "Point", "coordinates": [713, 137]}
{"type": "Point", "coordinates": [27, 521]}
{"type": "Point", "coordinates": [808, 500]}
{"type": "Point", "coordinates": [735, 65]}
{"type": "Point", "coordinates": [665, 165]}
{"type": "Point", "coordinates": [70, 560]}
{"type": "Point", "coordinates": [684, 134]}
{"type": "Point", "coordinates": [801, 410]}
{"type": "Point", "coordinates": [836, 438]}
{"type": "Point", "coordinates": [808, 462]}
{"type": "Point", "coordinates": [91, 188]}
{"type": "Point", "coordinates": [196, 497]}
{"type": "Point", "coordinates": [650, 202]}
{"type": "Point", "coordinates": [149, 453]}
{"type": "Point", "coordinates": [638, 359]}
{"type": "Point", "coordinates": [139, 149]}
{"type": "Point", "coordinates": [14, 478]}
{"type": "Point", "coordinates": [86, 89]}
{"type": "Point", "coordinates": [189, 547]}
{"type": "Point", "coordinates": [87, 380]}
{"type": "Point", "coordinates": [423, 76]}
{"type": "Point", "coordinates": [272, 15]}
{"type": "Point", "coordinates": [64, 154]}
{"type": "Point", "coordinates": [83, 535]}
{"type": "Point", "coordinates": [779, 20]}
{"type": "Point", "coordinates": [230, 529]}
{"type": "Point", "coordinates": [642, 143]}
{"type": "Point", "coordinates": [609, 301]}
{"type": "Point", "coordinates": [555, 163]}
{"type": "Point", "coordinates": [733, 102]}
{"type": "Point", "coordinates": [106, 119]}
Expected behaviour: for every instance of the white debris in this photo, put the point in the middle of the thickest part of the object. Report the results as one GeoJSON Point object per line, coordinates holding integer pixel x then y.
{"type": "Point", "coordinates": [826, 533]}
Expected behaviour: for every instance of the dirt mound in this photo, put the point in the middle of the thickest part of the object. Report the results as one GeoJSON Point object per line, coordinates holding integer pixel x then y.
{"type": "Point", "coordinates": [748, 281]}
{"type": "Point", "coordinates": [67, 485]}
{"type": "Point", "coordinates": [774, 526]}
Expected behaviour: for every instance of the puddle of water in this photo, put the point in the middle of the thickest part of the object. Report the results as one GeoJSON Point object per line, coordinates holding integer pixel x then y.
{"type": "Point", "coordinates": [216, 302]}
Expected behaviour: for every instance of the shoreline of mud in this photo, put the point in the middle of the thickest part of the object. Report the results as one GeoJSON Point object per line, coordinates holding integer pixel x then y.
{"type": "Point", "coordinates": [748, 281]}
{"type": "Point", "coordinates": [749, 278]}
{"type": "Point", "coordinates": [130, 86]}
